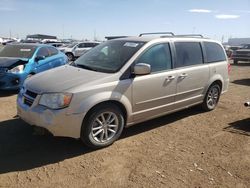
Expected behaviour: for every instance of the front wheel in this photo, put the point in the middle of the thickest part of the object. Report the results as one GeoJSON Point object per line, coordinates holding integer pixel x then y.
{"type": "Point", "coordinates": [212, 97]}
{"type": "Point", "coordinates": [103, 126]}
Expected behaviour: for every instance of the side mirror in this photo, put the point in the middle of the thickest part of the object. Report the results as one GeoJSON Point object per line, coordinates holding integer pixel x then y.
{"type": "Point", "coordinates": [142, 69]}
{"type": "Point", "coordinates": [38, 58]}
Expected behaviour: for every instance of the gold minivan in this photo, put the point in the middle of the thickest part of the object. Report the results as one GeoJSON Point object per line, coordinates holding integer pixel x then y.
{"type": "Point", "coordinates": [122, 82]}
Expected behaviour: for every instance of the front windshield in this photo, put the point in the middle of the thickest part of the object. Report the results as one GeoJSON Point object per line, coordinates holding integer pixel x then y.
{"type": "Point", "coordinates": [18, 51]}
{"type": "Point", "coordinates": [71, 45]}
{"type": "Point", "coordinates": [109, 56]}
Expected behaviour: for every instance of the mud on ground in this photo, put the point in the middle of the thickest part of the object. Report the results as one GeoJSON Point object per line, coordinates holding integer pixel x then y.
{"type": "Point", "coordinates": [185, 149]}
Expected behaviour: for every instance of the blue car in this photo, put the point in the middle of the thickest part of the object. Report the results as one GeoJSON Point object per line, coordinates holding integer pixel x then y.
{"type": "Point", "coordinates": [19, 61]}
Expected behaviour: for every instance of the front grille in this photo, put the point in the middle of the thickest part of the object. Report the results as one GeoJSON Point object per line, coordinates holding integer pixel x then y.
{"type": "Point", "coordinates": [246, 53]}
{"type": "Point", "coordinates": [31, 94]}
{"type": "Point", "coordinates": [28, 102]}
{"type": "Point", "coordinates": [29, 97]}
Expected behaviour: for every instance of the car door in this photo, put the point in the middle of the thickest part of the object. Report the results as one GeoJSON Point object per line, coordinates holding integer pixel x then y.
{"type": "Point", "coordinates": [80, 49]}
{"type": "Point", "coordinates": [55, 59]}
{"type": "Point", "coordinates": [43, 64]}
{"type": "Point", "coordinates": [192, 73]}
{"type": "Point", "coordinates": [154, 94]}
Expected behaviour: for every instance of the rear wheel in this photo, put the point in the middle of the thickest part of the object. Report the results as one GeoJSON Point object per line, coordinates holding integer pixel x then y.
{"type": "Point", "coordinates": [103, 126]}
{"type": "Point", "coordinates": [212, 97]}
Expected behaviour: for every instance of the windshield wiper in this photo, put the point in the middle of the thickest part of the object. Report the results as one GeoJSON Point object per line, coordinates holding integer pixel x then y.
{"type": "Point", "coordinates": [86, 67]}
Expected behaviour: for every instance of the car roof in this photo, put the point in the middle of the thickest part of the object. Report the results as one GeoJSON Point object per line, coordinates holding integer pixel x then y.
{"type": "Point", "coordinates": [165, 38]}
{"type": "Point", "coordinates": [87, 42]}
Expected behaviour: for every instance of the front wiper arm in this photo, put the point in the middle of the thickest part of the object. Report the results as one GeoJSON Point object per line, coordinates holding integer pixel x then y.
{"type": "Point", "coordinates": [85, 67]}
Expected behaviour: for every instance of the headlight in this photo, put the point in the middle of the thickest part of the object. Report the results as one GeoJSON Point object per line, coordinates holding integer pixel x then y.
{"type": "Point", "coordinates": [55, 100]}
{"type": "Point", "coordinates": [17, 69]}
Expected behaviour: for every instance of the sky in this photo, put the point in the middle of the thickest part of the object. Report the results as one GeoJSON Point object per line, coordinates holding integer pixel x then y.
{"type": "Point", "coordinates": [89, 19]}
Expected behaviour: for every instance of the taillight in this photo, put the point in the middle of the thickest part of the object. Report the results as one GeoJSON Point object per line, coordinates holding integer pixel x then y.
{"type": "Point", "coordinates": [228, 68]}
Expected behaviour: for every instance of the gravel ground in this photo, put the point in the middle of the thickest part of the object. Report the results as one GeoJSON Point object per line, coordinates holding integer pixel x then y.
{"type": "Point", "coordinates": [185, 149]}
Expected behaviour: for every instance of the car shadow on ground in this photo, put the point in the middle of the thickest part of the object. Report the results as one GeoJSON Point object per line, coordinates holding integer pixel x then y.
{"type": "Point", "coordinates": [239, 127]}
{"type": "Point", "coordinates": [244, 82]}
{"type": "Point", "coordinates": [21, 150]}
{"type": "Point", "coordinates": [4, 93]}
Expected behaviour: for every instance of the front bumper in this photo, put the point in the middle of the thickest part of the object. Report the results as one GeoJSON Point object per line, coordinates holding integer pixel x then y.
{"type": "Point", "coordinates": [57, 122]}
{"type": "Point", "coordinates": [11, 81]}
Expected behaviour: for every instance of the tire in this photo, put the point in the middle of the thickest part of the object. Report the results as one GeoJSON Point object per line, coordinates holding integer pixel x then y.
{"type": "Point", "coordinates": [235, 62]}
{"type": "Point", "coordinates": [212, 97]}
{"type": "Point", "coordinates": [102, 126]}
{"type": "Point", "coordinates": [70, 56]}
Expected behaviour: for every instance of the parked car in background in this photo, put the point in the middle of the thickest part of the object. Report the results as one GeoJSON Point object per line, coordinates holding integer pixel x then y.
{"type": "Point", "coordinates": [242, 54]}
{"type": "Point", "coordinates": [122, 82]}
{"type": "Point", "coordinates": [19, 61]}
{"type": "Point", "coordinates": [77, 49]}
{"type": "Point", "coordinates": [57, 44]}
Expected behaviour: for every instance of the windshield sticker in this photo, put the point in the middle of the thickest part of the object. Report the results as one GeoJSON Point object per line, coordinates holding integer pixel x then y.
{"type": "Point", "coordinates": [25, 50]}
{"type": "Point", "coordinates": [131, 44]}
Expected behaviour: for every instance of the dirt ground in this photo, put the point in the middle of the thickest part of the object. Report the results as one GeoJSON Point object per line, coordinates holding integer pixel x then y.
{"type": "Point", "coordinates": [185, 149]}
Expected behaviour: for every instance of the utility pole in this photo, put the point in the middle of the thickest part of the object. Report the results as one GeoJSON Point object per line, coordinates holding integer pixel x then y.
{"type": "Point", "coordinates": [194, 30]}
{"type": "Point", "coordinates": [222, 39]}
{"type": "Point", "coordinates": [10, 33]}
{"type": "Point", "coordinates": [94, 35]}
{"type": "Point", "coordinates": [63, 31]}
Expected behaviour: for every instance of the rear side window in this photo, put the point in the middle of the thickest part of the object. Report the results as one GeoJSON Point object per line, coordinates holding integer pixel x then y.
{"type": "Point", "coordinates": [52, 51]}
{"type": "Point", "coordinates": [158, 57]}
{"type": "Point", "coordinates": [82, 45]}
{"type": "Point", "coordinates": [89, 45]}
{"type": "Point", "coordinates": [43, 52]}
{"type": "Point", "coordinates": [214, 52]}
{"type": "Point", "coordinates": [188, 53]}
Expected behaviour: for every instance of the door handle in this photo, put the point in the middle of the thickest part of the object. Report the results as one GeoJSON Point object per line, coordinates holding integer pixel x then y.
{"type": "Point", "coordinates": [183, 75]}
{"type": "Point", "coordinates": [169, 78]}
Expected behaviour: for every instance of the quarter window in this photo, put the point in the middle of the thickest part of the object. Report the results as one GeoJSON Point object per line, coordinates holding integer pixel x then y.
{"type": "Point", "coordinates": [158, 57]}
{"type": "Point", "coordinates": [188, 53]}
{"type": "Point", "coordinates": [214, 52]}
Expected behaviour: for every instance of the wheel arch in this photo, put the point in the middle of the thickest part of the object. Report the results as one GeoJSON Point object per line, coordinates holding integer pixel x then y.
{"type": "Point", "coordinates": [111, 102]}
{"type": "Point", "coordinates": [217, 79]}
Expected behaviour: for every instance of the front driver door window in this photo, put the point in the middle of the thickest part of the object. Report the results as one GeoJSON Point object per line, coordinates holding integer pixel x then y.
{"type": "Point", "coordinates": [43, 65]}
{"type": "Point", "coordinates": [154, 93]}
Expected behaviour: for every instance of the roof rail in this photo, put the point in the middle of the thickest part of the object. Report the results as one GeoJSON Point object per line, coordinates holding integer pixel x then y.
{"type": "Point", "coordinates": [190, 35]}
{"type": "Point", "coordinates": [157, 33]}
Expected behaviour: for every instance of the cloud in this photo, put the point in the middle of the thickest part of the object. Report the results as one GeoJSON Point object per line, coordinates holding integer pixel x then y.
{"type": "Point", "coordinates": [226, 16]}
{"type": "Point", "coordinates": [199, 11]}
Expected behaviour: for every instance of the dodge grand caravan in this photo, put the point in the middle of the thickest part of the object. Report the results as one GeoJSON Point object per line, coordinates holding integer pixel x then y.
{"type": "Point", "coordinates": [122, 82]}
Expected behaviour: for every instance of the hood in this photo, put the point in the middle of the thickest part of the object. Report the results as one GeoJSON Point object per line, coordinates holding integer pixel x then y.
{"type": "Point", "coordinates": [63, 78]}
{"type": "Point", "coordinates": [65, 49]}
{"type": "Point", "coordinates": [12, 62]}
